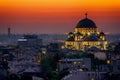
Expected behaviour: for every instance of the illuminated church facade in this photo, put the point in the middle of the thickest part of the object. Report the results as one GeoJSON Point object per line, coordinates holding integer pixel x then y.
{"type": "Point", "coordinates": [86, 36]}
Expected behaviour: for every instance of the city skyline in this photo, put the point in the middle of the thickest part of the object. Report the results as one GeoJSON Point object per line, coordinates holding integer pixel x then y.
{"type": "Point", "coordinates": [57, 16]}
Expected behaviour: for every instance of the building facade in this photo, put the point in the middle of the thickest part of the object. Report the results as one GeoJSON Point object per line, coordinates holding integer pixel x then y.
{"type": "Point", "coordinates": [29, 40]}
{"type": "Point", "coordinates": [83, 64]}
{"type": "Point", "coordinates": [85, 36]}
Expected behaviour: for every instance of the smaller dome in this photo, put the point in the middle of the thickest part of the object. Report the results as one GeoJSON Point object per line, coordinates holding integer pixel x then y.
{"type": "Point", "coordinates": [102, 34]}
{"type": "Point", "coordinates": [70, 39]}
{"type": "Point", "coordinates": [91, 38]}
{"type": "Point", "coordinates": [78, 34]}
{"type": "Point", "coordinates": [70, 33]}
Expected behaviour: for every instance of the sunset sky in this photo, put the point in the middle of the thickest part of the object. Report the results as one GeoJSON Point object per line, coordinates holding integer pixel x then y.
{"type": "Point", "coordinates": [57, 16]}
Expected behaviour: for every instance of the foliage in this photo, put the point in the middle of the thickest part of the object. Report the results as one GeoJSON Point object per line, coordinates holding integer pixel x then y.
{"type": "Point", "coordinates": [63, 73]}
{"type": "Point", "coordinates": [49, 66]}
{"type": "Point", "coordinates": [110, 76]}
{"type": "Point", "coordinates": [99, 62]}
{"type": "Point", "coordinates": [117, 49]}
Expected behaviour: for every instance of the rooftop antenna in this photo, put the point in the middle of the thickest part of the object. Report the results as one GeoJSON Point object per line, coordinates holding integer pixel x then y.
{"type": "Point", "coordinates": [9, 32]}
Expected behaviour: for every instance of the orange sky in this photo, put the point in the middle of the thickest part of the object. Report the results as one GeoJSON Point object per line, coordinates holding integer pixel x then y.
{"type": "Point", "coordinates": [57, 16]}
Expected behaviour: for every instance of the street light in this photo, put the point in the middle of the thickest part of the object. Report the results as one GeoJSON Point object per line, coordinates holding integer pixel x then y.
{"type": "Point", "coordinates": [44, 52]}
{"type": "Point", "coordinates": [92, 78]}
{"type": "Point", "coordinates": [108, 61]}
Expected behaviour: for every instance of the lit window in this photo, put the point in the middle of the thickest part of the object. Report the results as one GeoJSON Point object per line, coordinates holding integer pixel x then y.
{"type": "Point", "coordinates": [92, 79]}
{"type": "Point", "coordinates": [74, 62]}
{"type": "Point", "coordinates": [78, 62]}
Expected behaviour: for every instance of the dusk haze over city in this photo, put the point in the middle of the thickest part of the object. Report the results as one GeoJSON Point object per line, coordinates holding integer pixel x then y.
{"type": "Point", "coordinates": [57, 16]}
{"type": "Point", "coordinates": [59, 39]}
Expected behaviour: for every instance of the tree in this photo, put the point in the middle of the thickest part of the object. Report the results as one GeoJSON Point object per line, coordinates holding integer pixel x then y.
{"type": "Point", "coordinates": [49, 66]}
{"type": "Point", "coordinates": [117, 49]}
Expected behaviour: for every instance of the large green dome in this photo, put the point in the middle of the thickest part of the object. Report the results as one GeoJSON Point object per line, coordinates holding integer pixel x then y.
{"type": "Point", "coordinates": [86, 23]}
